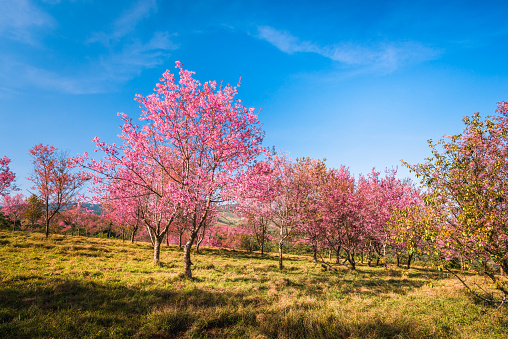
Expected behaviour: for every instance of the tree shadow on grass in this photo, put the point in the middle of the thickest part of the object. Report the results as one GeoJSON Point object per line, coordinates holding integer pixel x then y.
{"type": "Point", "coordinates": [234, 254]}
{"type": "Point", "coordinates": [66, 308]}
{"type": "Point", "coordinates": [34, 306]}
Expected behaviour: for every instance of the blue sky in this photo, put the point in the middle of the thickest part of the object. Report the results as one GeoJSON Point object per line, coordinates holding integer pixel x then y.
{"type": "Point", "coordinates": [361, 83]}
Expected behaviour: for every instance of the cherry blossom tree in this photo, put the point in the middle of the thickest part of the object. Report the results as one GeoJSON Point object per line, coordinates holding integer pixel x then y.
{"type": "Point", "coordinates": [207, 227]}
{"type": "Point", "coordinates": [254, 195]}
{"type": "Point", "coordinates": [274, 186]}
{"type": "Point", "coordinates": [54, 180]}
{"type": "Point", "coordinates": [309, 177]}
{"type": "Point", "coordinates": [13, 206]}
{"type": "Point", "coordinates": [277, 191]}
{"type": "Point", "coordinates": [179, 228]}
{"type": "Point", "coordinates": [78, 217]}
{"type": "Point", "coordinates": [193, 140]}
{"type": "Point", "coordinates": [256, 219]}
{"type": "Point", "coordinates": [124, 214]}
{"type": "Point", "coordinates": [6, 176]}
{"type": "Point", "coordinates": [387, 195]}
{"type": "Point", "coordinates": [343, 207]}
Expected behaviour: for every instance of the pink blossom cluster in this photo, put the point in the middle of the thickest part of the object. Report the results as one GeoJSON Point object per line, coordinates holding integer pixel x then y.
{"type": "Point", "coordinates": [6, 176]}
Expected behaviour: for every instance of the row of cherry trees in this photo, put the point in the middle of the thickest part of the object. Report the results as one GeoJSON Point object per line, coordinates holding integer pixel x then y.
{"type": "Point", "coordinates": [195, 149]}
{"type": "Point", "coordinates": [326, 208]}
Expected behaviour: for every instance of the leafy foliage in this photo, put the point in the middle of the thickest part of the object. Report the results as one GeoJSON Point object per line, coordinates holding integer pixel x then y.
{"type": "Point", "coordinates": [467, 186]}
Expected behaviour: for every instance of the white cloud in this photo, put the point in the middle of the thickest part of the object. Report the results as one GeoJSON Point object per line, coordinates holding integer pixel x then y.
{"type": "Point", "coordinates": [124, 57]}
{"type": "Point", "coordinates": [100, 75]}
{"type": "Point", "coordinates": [135, 57]}
{"type": "Point", "coordinates": [50, 80]}
{"type": "Point", "coordinates": [127, 22]}
{"type": "Point", "coordinates": [383, 57]}
{"type": "Point", "coordinates": [286, 42]}
{"type": "Point", "coordinates": [19, 20]}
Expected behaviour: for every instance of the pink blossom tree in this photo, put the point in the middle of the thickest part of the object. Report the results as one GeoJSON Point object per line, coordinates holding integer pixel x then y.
{"type": "Point", "coordinates": [193, 140]}
{"type": "Point", "coordinates": [387, 195]}
{"type": "Point", "coordinates": [273, 184]}
{"type": "Point", "coordinates": [78, 217]}
{"type": "Point", "coordinates": [255, 220]}
{"type": "Point", "coordinates": [54, 180]}
{"type": "Point", "coordinates": [345, 217]}
{"type": "Point", "coordinates": [207, 227]}
{"type": "Point", "coordinates": [254, 195]}
{"type": "Point", "coordinates": [309, 177]}
{"type": "Point", "coordinates": [179, 228]}
{"type": "Point", "coordinates": [124, 214]}
{"type": "Point", "coordinates": [6, 176]}
{"type": "Point", "coordinates": [13, 206]}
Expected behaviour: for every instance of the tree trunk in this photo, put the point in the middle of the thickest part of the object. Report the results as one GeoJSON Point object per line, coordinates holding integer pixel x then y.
{"type": "Point", "coordinates": [351, 259]}
{"type": "Point", "coordinates": [180, 240]}
{"type": "Point", "coordinates": [47, 218]}
{"type": "Point", "coordinates": [314, 254]}
{"type": "Point", "coordinates": [151, 235]}
{"type": "Point", "coordinates": [123, 236]}
{"type": "Point", "coordinates": [187, 255]}
{"type": "Point", "coordinates": [384, 257]}
{"type": "Point", "coordinates": [47, 228]}
{"type": "Point", "coordinates": [200, 240]}
{"type": "Point", "coordinates": [133, 234]}
{"type": "Point", "coordinates": [263, 241]}
{"type": "Point", "coordinates": [503, 266]}
{"type": "Point", "coordinates": [410, 257]}
{"type": "Point", "coordinates": [280, 254]}
{"type": "Point", "coordinates": [157, 250]}
{"type": "Point", "coordinates": [398, 260]}
{"type": "Point", "coordinates": [337, 255]}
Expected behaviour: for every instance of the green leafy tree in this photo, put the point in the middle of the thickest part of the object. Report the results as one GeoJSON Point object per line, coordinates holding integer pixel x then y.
{"type": "Point", "coordinates": [34, 211]}
{"type": "Point", "coordinates": [467, 182]}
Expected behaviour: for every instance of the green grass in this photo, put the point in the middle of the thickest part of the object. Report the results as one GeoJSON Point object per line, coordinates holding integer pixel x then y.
{"type": "Point", "coordinates": [69, 287]}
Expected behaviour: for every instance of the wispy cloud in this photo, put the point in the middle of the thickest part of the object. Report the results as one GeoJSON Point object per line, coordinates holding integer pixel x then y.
{"type": "Point", "coordinates": [126, 55]}
{"type": "Point", "coordinates": [135, 57]}
{"type": "Point", "coordinates": [123, 56]}
{"type": "Point", "coordinates": [127, 22]}
{"type": "Point", "coordinates": [384, 57]}
{"type": "Point", "coordinates": [100, 75]}
{"type": "Point", "coordinates": [20, 20]}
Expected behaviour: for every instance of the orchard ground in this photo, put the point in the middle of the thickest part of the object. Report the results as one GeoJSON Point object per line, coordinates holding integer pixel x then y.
{"type": "Point", "coordinates": [69, 287]}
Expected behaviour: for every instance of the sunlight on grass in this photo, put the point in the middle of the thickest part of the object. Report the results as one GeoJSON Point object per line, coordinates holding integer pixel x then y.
{"type": "Point", "coordinates": [67, 287]}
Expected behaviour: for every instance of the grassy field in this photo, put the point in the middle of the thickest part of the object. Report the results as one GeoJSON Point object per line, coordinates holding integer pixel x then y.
{"type": "Point", "coordinates": [69, 287]}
